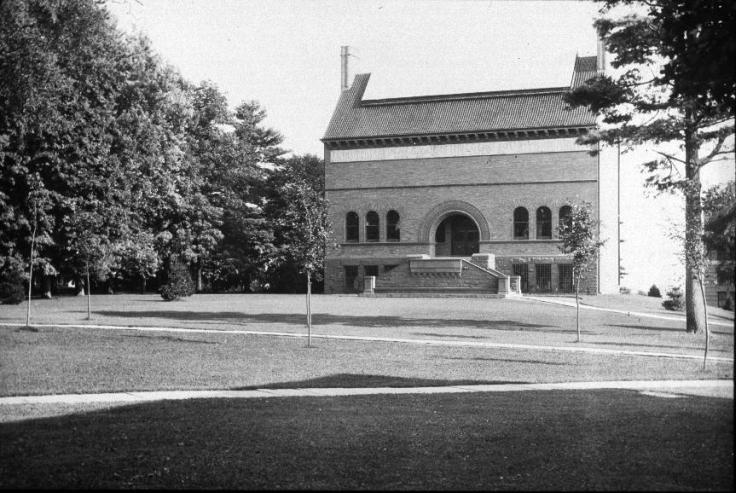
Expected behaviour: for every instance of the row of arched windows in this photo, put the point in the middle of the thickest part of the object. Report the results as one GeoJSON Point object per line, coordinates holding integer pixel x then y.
{"type": "Point", "coordinates": [544, 222]}
{"type": "Point", "coordinates": [372, 226]}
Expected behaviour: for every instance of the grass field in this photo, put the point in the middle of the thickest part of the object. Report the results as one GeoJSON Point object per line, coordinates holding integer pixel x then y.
{"type": "Point", "coordinates": [551, 440]}
{"type": "Point", "coordinates": [67, 360]}
{"type": "Point", "coordinates": [504, 320]}
{"type": "Point", "coordinates": [555, 440]}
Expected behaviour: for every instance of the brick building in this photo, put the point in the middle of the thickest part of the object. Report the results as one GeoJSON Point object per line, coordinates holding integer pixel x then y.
{"type": "Point", "coordinates": [463, 192]}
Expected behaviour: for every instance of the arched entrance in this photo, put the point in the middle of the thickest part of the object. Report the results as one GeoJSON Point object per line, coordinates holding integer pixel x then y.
{"type": "Point", "coordinates": [457, 235]}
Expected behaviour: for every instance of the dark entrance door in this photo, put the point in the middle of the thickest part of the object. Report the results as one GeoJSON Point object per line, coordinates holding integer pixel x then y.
{"type": "Point", "coordinates": [465, 236]}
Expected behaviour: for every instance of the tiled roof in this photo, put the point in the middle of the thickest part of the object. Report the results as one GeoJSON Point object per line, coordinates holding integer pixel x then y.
{"type": "Point", "coordinates": [585, 68]}
{"type": "Point", "coordinates": [355, 118]}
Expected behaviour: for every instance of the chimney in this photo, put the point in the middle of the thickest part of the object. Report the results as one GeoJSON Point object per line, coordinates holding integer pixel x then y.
{"type": "Point", "coordinates": [344, 54]}
{"type": "Point", "coordinates": [601, 59]}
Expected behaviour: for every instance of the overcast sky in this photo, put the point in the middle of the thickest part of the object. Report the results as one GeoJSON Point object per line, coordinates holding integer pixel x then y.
{"type": "Point", "coordinates": [286, 55]}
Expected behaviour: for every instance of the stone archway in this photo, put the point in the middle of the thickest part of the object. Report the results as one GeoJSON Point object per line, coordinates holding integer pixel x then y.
{"type": "Point", "coordinates": [456, 236]}
{"type": "Point", "coordinates": [460, 214]}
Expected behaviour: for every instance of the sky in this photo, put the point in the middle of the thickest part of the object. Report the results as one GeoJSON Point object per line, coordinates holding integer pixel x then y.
{"type": "Point", "coordinates": [285, 54]}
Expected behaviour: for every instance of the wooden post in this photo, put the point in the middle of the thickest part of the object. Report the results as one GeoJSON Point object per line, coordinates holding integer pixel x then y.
{"type": "Point", "coordinates": [707, 329]}
{"type": "Point", "coordinates": [89, 293]}
{"type": "Point", "coordinates": [309, 309]}
{"type": "Point", "coordinates": [30, 270]}
{"type": "Point", "coordinates": [577, 306]}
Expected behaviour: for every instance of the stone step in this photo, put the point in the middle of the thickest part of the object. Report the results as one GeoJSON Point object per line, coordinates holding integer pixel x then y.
{"type": "Point", "coordinates": [432, 294]}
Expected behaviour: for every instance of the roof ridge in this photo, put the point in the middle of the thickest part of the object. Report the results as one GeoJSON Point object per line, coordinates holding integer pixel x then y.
{"type": "Point", "coordinates": [465, 95]}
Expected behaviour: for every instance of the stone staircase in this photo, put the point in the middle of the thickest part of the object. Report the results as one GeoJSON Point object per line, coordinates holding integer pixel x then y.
{"type": "Point", "coordinates": [424, 276]}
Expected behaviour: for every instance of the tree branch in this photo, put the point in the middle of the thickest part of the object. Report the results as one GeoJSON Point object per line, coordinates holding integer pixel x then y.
{"type": "Point", "coordinates": [670, 157]}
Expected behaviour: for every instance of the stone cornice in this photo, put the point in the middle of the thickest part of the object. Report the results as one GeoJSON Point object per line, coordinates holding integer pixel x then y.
{"type": "Point", "coordinates": [453, 138]}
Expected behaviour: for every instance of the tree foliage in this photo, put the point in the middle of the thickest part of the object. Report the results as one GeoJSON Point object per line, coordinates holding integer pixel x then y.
{"type": "Point", "coordinates": [110, 159]}
{"type": "Point", "coordinates": [669, 89]}
{"type": "Point", "coordinates": [580, 242]}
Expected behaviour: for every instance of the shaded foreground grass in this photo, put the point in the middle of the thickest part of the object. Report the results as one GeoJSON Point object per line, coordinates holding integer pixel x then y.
{"type": "Point", "coordinates": [551, 440]}
{"type": "Point", "coordinates": [58, 360]}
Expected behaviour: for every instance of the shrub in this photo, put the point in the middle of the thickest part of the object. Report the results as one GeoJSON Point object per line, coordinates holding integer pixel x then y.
{"type": "Point", "coordinates": [641, 292]}
{"type": "Point", "coordinates": [180, 283]}
{"type": "Point", "coordinates": [674, 301]}
{"type": "Point", "coordinates": [11, 287]}
{"type": "Point", "coordinates": [728, 305]}
{"type": "Point", "coordinates": [624, 290]}
{"type": "Point", "coordinates": [654, 292]}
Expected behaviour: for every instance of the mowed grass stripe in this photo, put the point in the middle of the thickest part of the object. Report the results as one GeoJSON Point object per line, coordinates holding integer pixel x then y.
{"type": "Point", "coordinates": [431, 342]}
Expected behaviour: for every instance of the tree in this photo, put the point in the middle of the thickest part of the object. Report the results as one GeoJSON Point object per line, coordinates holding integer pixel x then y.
{"type": "Point", "coordinates": [302, 232]}
{"type": "Point", "coordinates": [579, 241]}
{"type": "Point", "coordinates": [689, 102]}
{"type": "Point", "coordinates": [92, 114]}
{"type": "Point", "coordinates": [719, 208]}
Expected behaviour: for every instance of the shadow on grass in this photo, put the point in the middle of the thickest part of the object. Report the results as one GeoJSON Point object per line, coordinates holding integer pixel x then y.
{"type": "Point", "coordinates": [666, 329]}
{"type": "Point", "coordinates": [239, 318]}
{"type": "Point", "coordinates": [168, 338]}
{"type": "Point", "coordinates": [352, 380]}
{"type": "Point", "coordinates": [627, 344]}
{"type": "Point", "coordinates": [503, 360]}
{"type": "Point", "coordinates": [552, 440]}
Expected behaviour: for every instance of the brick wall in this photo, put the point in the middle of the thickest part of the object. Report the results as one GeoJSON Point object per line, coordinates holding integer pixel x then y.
{"type": "Point", "coordinates": [511, 168]}
{"type": "Point", "coordinates": [494, 185]}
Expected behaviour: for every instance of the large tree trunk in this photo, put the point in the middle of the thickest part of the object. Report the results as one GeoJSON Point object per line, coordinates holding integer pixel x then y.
{"type": "Point", "coordinates": [694, 301]}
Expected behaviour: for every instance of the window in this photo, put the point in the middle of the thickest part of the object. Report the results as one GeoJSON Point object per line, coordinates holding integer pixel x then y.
{"type": "Point", "coordinates": [352, 226]}
{"type": "Point", "coordinates": [724, 275]}
{"type": "Point", "coordinates": [564, 283]}
{"type": "Point", "coordinates": [393, 232]}
{"type": "Point", "coordinates": [522, 270]}
{"type": "Point", "coordinates": [544, 223]}
{"type": "Point", "coordinates": [371, 226]}
{"type": "Point", "coordinates": [370, 270]}
{"type": "Point", "coordinates": [544, 277]}
{"type": "Point", "coordinates": [521, 223]}
{"type": "Point", "coordinates": [351, 274]}
{"type": "Point", "coordinates": [565, 216]}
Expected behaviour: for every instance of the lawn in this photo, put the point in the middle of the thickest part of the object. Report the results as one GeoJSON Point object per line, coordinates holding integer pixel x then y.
{"type": "Point", "coordinates": [76, 360]}
{"type": "Point", "coordinates": [490, 320]}
{"type": "Point", "coordinates": [539, 440]}
{"type": "Point", "coordinates": [604, 439]}
{"type": "Point", "coordinates": [62, 360]}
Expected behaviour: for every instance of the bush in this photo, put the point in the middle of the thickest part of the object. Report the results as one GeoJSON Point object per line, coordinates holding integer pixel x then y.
{"type": "Point", "coordinates": [654, 292]}
{"type": "Point", "coordinates": [180, 283]}
{"type": "Point", "coordinates": [675, 301]}
{"type": "Point", "coordinates": [624, 290]}
{"type": "Point", "coordinates": [728, 305]}
{"type": "Point", "coordinates": [11, 287]}
{"type": "Point", "coordinates": [11, 293]}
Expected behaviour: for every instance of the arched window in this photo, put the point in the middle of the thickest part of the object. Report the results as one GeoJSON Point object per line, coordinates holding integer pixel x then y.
{"type": "Point", "coordinates": [352, 227]}
{"type": "Point", "coordinates": [393, 232]}
{"type": "Point", "coordinates": [521, 223]}
{"type": "Point", "coordinates": [371, 226]}
{"type": "Point", "coordinates": [544, 223]}
{"type": "Point", "coordinates": [565, 216]}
